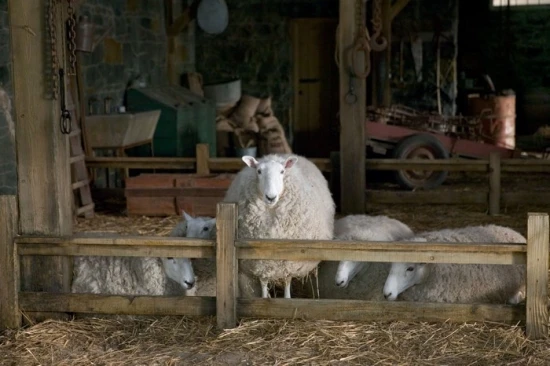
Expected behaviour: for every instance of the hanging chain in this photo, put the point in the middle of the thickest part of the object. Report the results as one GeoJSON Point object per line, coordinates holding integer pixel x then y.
{"type": "Point", "coordinates": [52, 25]}
{"type": "Point", "coordinates": [377, 42]}
{"type": "Point", "coordinates": [361, 44]}
{"type": "Point", "coordinates": [71, 43]}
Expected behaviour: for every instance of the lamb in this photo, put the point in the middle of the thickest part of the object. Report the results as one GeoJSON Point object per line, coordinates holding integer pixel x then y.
{"type": "Point", "coordinates": [368, 277]}
{"type": "Point", "coordinates": [281, 196]}
{"type": "Point", "coordinates": [364, 227]}
{"type": "Point", "coordinates": [460, 283]}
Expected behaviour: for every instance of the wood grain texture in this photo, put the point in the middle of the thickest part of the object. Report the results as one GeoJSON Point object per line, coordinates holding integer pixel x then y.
{"type": "Point", "coordinates": [9, 263]}
{"type": "Point", "coordinates": [226, 266]}
{"type": "Point", "coordinates": [352, 119]}
{"type": "Point", "coordinates": [537, 275]}
{"type": "Point", "coordinates": [203, 155]}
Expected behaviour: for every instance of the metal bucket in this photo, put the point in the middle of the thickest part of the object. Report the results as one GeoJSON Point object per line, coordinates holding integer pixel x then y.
{"type": "Point", "coordinates": [498, 122]}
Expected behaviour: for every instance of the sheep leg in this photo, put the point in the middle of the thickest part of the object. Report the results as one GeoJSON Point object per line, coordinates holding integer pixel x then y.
{"type": "Point", "coordinates": [265, 294]}
{"type": "Point", "coordinates": [287, 287]}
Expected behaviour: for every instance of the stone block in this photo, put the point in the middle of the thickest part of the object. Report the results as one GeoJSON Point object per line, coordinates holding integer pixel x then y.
{"type": "Point", "coordinates": [112, 53]}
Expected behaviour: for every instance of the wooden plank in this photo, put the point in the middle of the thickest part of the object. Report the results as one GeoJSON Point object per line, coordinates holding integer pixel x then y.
{"type": "Point", "coordinates": [202, 159]}
{"type": "Point", "coordinates": [537, 275]}
{"type": "Point", "coordinates": [226, 266]}
{"type": "Point", "coordinates": [44, 191]}
{"type": "Point", "coordinates": [383, 252]}
{"type": "Point", "coordinates": [494, 184]}
{"type": "Point", "coordinates": [352, 118]}
{"type": "Point", "coordinates": [115, 250]}
{"type": "Point", "coordinates": [460, 165]}
{"type": "Point", "coordinates": [151, 206]}
{"type": "Point", "coordinates": [525, 198]}
{"type": "Point", "coordinates": [114, 304]}
{"type": "Point", "coordinates": [427, 197]}
{"type": "Point", "coordinates": [358, 310]}
{"type": "Point", "coordinates": [174, 192]}
{"type": "Point", "coordinates": [9, 264]}
{"type": "Point", "coordinates": [88, 239]}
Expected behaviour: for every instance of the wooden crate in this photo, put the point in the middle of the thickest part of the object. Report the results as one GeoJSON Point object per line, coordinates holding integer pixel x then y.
{"type": "Point", "coordinates": [168, 194]}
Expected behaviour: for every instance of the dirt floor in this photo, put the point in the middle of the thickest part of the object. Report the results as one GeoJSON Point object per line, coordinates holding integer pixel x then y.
{"type": "Point", "coordinates": [186, 341]}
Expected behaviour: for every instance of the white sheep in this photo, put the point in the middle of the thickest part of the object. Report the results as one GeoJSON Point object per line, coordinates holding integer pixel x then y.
{"type": "Point", "coordinates": [204, 268]}
{"type": "Point", "coordinates": [365, 228]}
{"type": "Point", "coordinates": [460, 283]}
{"type": "Point", "coordinates": [281, 197]}
{"type": "Point", "coordinates": [134, 275]}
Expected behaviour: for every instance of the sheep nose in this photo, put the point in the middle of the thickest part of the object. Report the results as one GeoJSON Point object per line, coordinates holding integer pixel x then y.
{"type": "Point", "coordinates": [270, 199]}
{"type": "Point", "coordinates": [340, 284]}
{"type": "Point", "coordinates": [387, 295]}
{"type": "Point", "coordinates": [189, 284]}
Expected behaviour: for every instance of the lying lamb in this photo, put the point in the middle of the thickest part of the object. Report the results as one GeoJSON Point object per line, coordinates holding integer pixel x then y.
{"type": "Point", "coordinates": [281, 197]}
{"type": "Point", "coordinates": [460, 283]}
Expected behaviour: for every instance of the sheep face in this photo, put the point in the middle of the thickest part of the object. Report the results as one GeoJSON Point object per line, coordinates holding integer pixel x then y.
{"type": "Point", "coordinates": [347, 271]}
{"type": "Point", "coordinates": [200, 227]}
{"type": "Point", "coordinates": [180, 270]}
{"type": "Point", "coordinates": [403, 276]}
{"type": "Point", "coordinates": [270, 175]}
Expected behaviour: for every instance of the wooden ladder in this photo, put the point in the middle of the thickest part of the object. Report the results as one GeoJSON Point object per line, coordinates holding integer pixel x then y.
{"type": "Point", "coordinates": [82, 194]}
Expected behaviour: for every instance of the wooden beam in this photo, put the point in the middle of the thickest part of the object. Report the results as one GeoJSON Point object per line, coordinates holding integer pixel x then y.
{"type": "Point", "coordinates": [385, 56]}
{"type": "Point", "coordinates": [9, 264]}
{"type": "Point", "coordinates": [352, 119]}
{"type": "Point", "coordinates": [431, 197]}
{"type": "Point", "coordinates": [115, 304]}
{"type": "Point", "coordinates": [359, 310]}
{"type": "Point", "coordinates": [203, 155]}
{"type": "Point", "coordinates": [537, 275]}
{"type": "Point", "coordinates": [44, 180]}
{"type": "Point", "coordinates": [226, 266]}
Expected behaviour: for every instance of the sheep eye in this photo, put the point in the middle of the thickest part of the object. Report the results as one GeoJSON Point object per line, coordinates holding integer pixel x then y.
{"type": "Point", "coordinates": [410, 269]}
{"type": "Point", "coordinates": [170, 258]}
{"type": "Point", "coordinates": [259, 171]}
{"type": "Point", "coordinates": [205, 228]}
{"type": "Point", "coordinates": [282, 171]}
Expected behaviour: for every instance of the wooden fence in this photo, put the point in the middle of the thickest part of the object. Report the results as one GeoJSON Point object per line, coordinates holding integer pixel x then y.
{"type": "Point", "coordinates": [493, 196]}
{"type": "Point", "coordinates": [227, 250]}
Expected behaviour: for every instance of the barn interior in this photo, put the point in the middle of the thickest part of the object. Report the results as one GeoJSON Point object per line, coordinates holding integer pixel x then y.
{"type": "Point", "coordinates": [120, 114]}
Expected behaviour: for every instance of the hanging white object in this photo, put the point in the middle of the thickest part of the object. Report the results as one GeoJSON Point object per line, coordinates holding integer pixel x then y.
{"type": "Point", "coordinates": [212, 16]}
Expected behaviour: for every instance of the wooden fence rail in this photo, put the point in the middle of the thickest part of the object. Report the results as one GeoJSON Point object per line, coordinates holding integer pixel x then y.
{"type": "Point", "coordinates": [227, 250]}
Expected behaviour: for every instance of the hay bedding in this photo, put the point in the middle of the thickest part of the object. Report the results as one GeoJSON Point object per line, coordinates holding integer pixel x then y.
{"type": "Point", "coordinates": [185, 341]}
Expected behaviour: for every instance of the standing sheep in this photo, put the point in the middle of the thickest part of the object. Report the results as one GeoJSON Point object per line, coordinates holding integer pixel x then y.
{"type": "Point", "coordinates": [335, 278]}
{"type": "Point", "coordinates": [281, 197]}
{"type": "Point", "coordinates": [460, 283]}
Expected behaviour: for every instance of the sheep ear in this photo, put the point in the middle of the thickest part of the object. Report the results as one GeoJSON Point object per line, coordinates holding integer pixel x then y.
{"type": "Point", "coordinates": [290, 161]}
{"type": "Point", "coordinates": [250, 161]}
{"type": "Point", "coordinates": [186, 216]}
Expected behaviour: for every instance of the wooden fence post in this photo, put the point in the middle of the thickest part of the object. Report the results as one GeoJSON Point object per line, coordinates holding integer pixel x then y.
{"type": "Point", "coordinates": [494, 184]}
{"type": "Point", "coordinates": [226, 265]}
{"type": "Point", "coordinates": [537, 275]}
{"type": "Point", "coordinates": [203, 155]}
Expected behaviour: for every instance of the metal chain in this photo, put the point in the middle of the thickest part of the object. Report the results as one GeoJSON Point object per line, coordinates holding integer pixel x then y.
{"type": "Point", "coordinates": [71, 43]}
{"type": "Point", "coordinates": [52, 25]}
{"type": "Point", "coordinates": [361, 44]}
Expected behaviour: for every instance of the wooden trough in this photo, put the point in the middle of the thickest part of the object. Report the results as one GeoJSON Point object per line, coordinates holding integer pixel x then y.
{"type": "Point", "coordinates": [227, 250]}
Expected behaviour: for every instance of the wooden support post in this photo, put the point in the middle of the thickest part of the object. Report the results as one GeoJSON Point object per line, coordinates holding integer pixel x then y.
{"type": "Point", "coordinates": [203, 156]}
{"type": "Point", "coordinates": [44, 180]}
{"type": "Point", "coordinates": [494, 184]}
{"type": "Point", "coordinates": [9, 264]}
{"type": "Point", "coordinates": [537, 275]}
{"type": "Point", "coordinates": [226, 266]}
{"type": "Point", "coordinates": [352, 119]}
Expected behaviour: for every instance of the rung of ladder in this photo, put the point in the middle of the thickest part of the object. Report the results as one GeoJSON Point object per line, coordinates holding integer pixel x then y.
{"type": "Point", "coordinates": [81, 210]}
{"type": "Point", "coordinates": [80, 184]}
{"type": "Point", "coordinates": [75, 159]}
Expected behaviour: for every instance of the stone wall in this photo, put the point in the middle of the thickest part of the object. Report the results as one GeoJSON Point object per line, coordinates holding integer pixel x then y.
{"type": "Point", "coordinates": [134, 47]}
{"type": "Point", "coordinates": [256, 47]}
{"type": "Point", "coordinates": [8, 169]}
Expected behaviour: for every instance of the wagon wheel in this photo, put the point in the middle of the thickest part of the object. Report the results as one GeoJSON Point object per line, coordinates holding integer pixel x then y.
{"type": "Point", "coordinates": [420, 146]}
